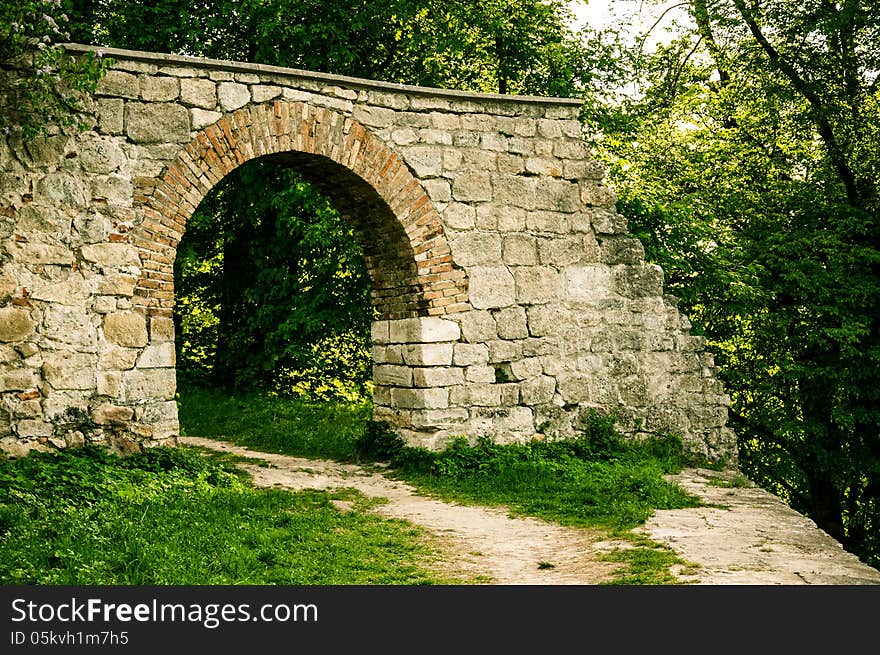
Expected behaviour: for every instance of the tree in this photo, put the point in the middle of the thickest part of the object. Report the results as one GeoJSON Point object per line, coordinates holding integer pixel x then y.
{"type": "Point", "coordinates": [40, 84]}
{"type": "Point", "coordinates": [748, 166]}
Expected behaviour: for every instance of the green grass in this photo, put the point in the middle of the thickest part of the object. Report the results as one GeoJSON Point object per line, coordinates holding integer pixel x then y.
{"type": "Point", "coordinates": [275, 424]}
{"type": "Point", "coordinates": [595, 480]}
{"type": "Point", "coordinates": [175, 517]}
{"type": "Point", "coordinates": [184, 516]}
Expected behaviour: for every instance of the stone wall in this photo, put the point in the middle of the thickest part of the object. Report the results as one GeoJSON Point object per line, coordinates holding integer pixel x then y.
{"type": "Point", "coordinates": [512, 299]}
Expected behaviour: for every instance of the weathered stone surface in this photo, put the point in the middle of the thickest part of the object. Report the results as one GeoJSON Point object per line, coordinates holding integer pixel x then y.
{"type": "Point", "coordinates": [161, 329]}
{"type": "Point", "coordinates": [511, 323]}
{"type": "Point", "coordinates": [157, 355]}
{"type": "Point", "coordinates": [108, 414]}
{"type": "Point", "coordinates": [438, 376]}
{"type": "Point", "coordinates": [472, 187]}
{"type": "Point", "coordinates": [156, 122]}
{"type": "Point", "coordinates": [421, 330]}
{"type": "Point", "coordinates": [491, 287]}
{"type": "Point", "coordinates": [536, 284]}
{"type": "Point", "coordinates": [421, 398]}
{"type": "Point", "coordinates": [62, 190]}
{"type": "Point", "coordinates": [471, 248]}
{"type": "Point", "coordinates": [232, 96]}
{"type": "Point", "coordinates": [15, 324]}
{"type": "Point", "coordinates": [198, 92]}
{"type": "Point", "coordinates": [202, 118]}
{"type": "Point", "coordinates": [126, 329]}
{"type": "Point", "coordinates": [393, 376]}
{"type": "Point", "coordinates": [117, 83]}
{"type": "Point", "coordinates": [111, 255]}
{"type": "Point", "coordinates": [586, 283]}
{"type": "Point", "coordinates": [110, 115]}
{"type": "Point", "coordinates": [156, 383]}
{"type": "Point", "coordinates": [66, 370]}
{"type": "Point", "coordinates": [432, 354]}
{"type": "Point", "coordinates": [16, 379]}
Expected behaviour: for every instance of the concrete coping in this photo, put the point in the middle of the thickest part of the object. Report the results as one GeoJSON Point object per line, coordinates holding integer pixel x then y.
{"type": "Point", "coordinates": [163, 59]}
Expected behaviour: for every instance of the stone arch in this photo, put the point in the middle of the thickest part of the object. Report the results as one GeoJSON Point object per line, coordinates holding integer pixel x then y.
{"type": "Point", "coordinates": [405, 247]}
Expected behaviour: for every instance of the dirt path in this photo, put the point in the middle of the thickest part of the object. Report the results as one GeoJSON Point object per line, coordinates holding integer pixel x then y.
{"type": "Point", "coordinates": [747, 536]}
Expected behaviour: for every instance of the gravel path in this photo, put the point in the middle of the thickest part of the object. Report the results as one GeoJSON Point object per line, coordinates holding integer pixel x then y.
{"type": "Point", "coordinates": [748, 536]}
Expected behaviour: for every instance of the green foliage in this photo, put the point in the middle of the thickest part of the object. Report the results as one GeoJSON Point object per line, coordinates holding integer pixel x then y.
{"type": "Point", "coordinates": [598, 478]}
{"type": "Point", "coordinates": [272, 289]}
{"type": "Point", "coordinates": [378, 442]}
{"type": "Point", "coordinates": [41, 85]}
{"type": "Point", "coordinates": [747, 166]}
{"type": "Point", "coordinates": [170, 516]}
{"type": "Point", "coordinates": [275, 424]}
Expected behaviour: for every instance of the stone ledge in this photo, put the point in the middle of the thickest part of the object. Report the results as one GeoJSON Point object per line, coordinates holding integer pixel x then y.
{"type": "Point", "coordinates": [341, 80]}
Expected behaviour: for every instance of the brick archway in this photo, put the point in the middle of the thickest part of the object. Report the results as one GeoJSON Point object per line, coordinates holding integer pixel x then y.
{"type": "Point", "coordinates": [406, 250]}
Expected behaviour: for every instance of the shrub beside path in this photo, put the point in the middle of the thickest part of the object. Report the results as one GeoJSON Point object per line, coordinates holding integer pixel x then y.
{"type": "Point", "coordinates": [746, 536]}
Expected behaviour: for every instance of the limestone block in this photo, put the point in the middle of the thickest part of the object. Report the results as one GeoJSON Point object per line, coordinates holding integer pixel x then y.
{"type": "Point", "coordinates": [480, 374]}
{"type": "Point", "coordinates": [561, 250]}
{"type": "Point", "coordinates": [514, 191]}
{"type": "Point", "coordinates": [548, 320]}
{"type": "Point", "coordinates": [428, 329]}
{"type": "Point", "coordinates": [393, 376]}
{"type": "Point", "coordinates": [117, 285]}
{"type": "Point", "coordinates": [115, 358]}
{"type": "Point", "coordinates": [157, 355]}
{"type": "Point", "coordinates": [126, 329]}
{"type": "Point", "coordinates": [437, 398]}
{"type": "Point", "coordinates": [536, 284]}
{"type": "Point", "coordinates": [71, 325]}
{"type": "Point", "coordinates": [425, 161]}
{"type": "Point", "coordinates": [202, 118]}
{"type": "Point", "coordinates": [110, 384]}
{"type": "Point", "coordinates": [474, 248]}
{"type": "Point", "coordinates": [117, 83]}
{"type": "Point", "coordinates": [380, 332]}
{"type": "Point", "coordinates": [622, 250]}
{"type": "Point", "coordinates": [109, 414]}
{"type": "Point", "coordinates": [15, 324]}
{"type": "Point", "coordinates": [520, 250]}
{"type": "Point", "coordinates": [504, 351]}
{"type": "Point", "coordinates": [438, 189]}
{"type": "Point", "coordinates": [590, 283]}
{"type": "Point", "coordinates": [159, 89]}
{"type": "Point", "coordinates": [467, 354]}
{"type": "Point", "coordinates": [528, 367]}
{"type": "Point", "coordinates": [482, 395]}
{"type": "Point", "coordinates": [233, 95]}
{"type": "Point", "coordinates": [574, 387]}
{"type": "Point", "coordinates": [152, 383]}
{"type": "Point", "coordinates": [459, 216]}
{"type": "Point", "coordinates": [491, 287]}
{"type": "Point", "coordinates": [265, 92]}
{"type": "Point", "coordinates": [72, 291]}
{"type": "Point", "coordinates": [69, 370]}
{"type": "Point", "coordinates": [16, 379]}
{"type": "Point", "coordinates": [115, 189]}
{"type": "Point", "coordinates": [161, 329]}
{"type": "Point", "coordinates": [438, 376]}
{"type": "Point", "coordinates": [374, 116]}
{"type": "Point", "coordinates": [608, 221]}
{"type": "Point", "coordinates": [557, 195]}
{"type": "Point", "coordinates": [110, 115]}
{"type": "Point", "coordinates": [511, 219]}
{"type": "Point", "coordinates": [39, 253]}
{"type": "Point", "coordinates": [472, 187]}
{"type": "Point", "coordinates": [439, 419]}
{"type": "Point", "coordinates": [34, 428]}
{"type": "Point", "coordinates": [100, 155]}
{"type": "Point", "coordinates": [61, 190]}
{"type": "Point", "coordinates": [638, 281]}
{"type": "Point", "coordinates": [111, 255]}
{"type": "Point", "coordinates": [593, 194]}
{"type": "Point", "coordinates": [553, 222]}
{"type": "Point", "coordinates": [512, 323]}
{"type": "Point", "coordinates": [198, 92]}
{"type": "Point", "coordinates": [544, 166]}
{"type": "Point", "coordinates": [431, 354]}
{"type": "Point", "coordinates": [156, 122]}
{"type": "Point", "coordinates": [537, 390]}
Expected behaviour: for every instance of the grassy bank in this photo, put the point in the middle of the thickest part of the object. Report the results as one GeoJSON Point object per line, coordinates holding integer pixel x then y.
{"type": "Point", "coordinates": [176, 517]}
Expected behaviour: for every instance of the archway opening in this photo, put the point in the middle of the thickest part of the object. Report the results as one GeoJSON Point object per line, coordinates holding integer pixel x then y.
{"type": "Point", "coordinates": [279, 274]}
